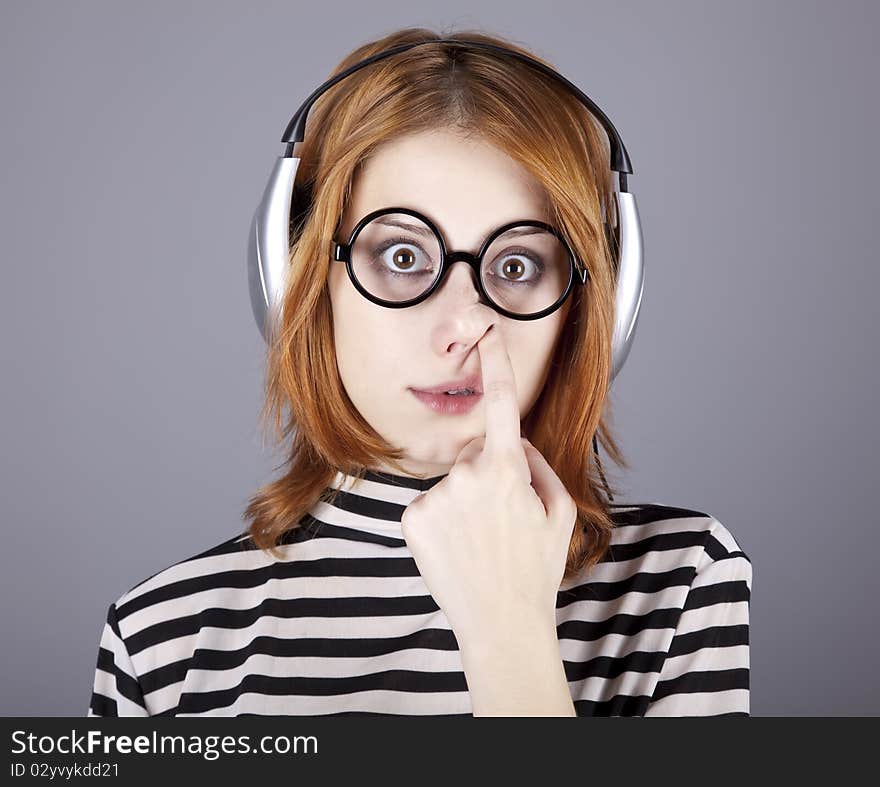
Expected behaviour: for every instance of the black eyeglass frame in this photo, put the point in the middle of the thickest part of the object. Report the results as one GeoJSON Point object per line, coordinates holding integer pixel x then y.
{"type": "Point", "coordinates": [342, 253]}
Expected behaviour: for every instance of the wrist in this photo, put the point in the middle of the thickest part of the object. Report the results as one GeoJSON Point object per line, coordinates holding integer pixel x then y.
{"type": "Point", "coordinates": [511, 638]}
{"type": "Point", "coordinates": [517, 672]}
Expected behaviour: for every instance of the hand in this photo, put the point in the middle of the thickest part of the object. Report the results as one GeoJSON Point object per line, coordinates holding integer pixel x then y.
{"type": "Point", "coordinates": [491, 539]}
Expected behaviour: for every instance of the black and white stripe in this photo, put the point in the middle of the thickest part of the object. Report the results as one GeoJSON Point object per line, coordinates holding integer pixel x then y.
{"type": "Point", "coordinates": [345, 625]}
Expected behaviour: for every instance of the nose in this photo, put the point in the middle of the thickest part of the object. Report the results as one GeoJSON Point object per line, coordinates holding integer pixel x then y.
{"type": "Point", "coordinates": [464, 314]}
{"type": "Point", "coordinates": [463, 268]}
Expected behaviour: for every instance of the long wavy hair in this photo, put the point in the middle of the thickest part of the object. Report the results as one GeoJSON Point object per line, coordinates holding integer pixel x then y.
{"type": "Point", "coordinates": [537, 122]}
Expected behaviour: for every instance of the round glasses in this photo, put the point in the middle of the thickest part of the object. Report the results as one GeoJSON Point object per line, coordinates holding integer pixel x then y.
{"type": "Point", "coordinates": [396, 258]}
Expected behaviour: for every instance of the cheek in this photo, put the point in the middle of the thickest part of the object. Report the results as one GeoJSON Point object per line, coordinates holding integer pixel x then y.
{"type": "Point", "coordinates": [370, 350]}
{"type": "Point", "coordinates": [351, 332]}
{"type": "Point", "coordinates": [531, 354]}
{"type": "Point", "coordinates": [352, 316]}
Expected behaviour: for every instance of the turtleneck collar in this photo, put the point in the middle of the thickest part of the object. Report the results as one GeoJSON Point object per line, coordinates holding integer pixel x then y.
{"type": "Point", "coordinates": [406, 481]}
{"type": "Point", "coordinates": [374, 503]}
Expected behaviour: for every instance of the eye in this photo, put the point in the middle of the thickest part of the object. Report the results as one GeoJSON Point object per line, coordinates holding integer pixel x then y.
{"type": "Point", "coordinates": [402, 257]}
{"type": "Point", "coordinates": [517, 266]}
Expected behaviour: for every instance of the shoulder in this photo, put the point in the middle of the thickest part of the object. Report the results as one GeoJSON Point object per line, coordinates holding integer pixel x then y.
{"type": "Point", "coordinates": [693, 594]}
{"type": "Point", "coordinates": [185, 583]}
{"type": "Point", "coordinates": [700, 538]}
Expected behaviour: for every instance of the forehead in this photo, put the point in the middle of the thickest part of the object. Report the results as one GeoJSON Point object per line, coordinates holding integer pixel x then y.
{"type": "Point", "coordinates": [466, 186]}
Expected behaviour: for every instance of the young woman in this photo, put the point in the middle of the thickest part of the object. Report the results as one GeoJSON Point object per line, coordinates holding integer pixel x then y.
{"type": "Point", "coordinates": [440, 543]}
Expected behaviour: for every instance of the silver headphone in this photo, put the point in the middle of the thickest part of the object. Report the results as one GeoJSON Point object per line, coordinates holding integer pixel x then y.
{"type": "Point", "coordinates": [269, 241]}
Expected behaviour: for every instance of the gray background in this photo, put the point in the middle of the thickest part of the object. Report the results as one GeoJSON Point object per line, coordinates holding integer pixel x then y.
{"type": "Point", "coordinates": [136, 141]}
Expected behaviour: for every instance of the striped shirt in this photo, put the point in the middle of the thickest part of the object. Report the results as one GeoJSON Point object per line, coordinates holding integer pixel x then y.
{"type": "Point", "coordinates": [345, 624]}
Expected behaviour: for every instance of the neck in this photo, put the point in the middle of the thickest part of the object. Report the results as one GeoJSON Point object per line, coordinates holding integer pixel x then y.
{"type": "Point", "coordinates": [413, 469]}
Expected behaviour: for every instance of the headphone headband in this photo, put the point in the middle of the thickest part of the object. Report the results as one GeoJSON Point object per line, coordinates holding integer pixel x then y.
{"type": "Point", "coordinates": [619, 157]}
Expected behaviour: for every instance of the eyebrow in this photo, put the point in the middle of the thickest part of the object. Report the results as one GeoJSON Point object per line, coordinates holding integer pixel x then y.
{"type": "Point", "coordinates": [421, 229]}
{"type": "Point", "coordinates": [418, 229]}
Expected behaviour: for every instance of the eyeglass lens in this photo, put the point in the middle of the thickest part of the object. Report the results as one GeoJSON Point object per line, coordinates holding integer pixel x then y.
{"type": "Point", "coordinates": [396, 257]}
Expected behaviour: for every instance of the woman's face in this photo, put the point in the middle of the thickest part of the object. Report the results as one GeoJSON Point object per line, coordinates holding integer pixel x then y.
{"type": "Point", "coordinates": [467, 188]}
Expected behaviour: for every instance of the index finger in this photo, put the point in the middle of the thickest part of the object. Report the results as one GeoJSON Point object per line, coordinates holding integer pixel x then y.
{"type": "Point", "coordinates": [503, 427]}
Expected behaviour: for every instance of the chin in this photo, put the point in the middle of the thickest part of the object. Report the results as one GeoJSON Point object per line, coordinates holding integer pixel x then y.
{"type": "Point", "coordinates": [446, 446]}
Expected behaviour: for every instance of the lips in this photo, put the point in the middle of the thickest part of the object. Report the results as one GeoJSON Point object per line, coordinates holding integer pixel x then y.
{"type": "Point", "coordinates": [473, 382]}
{"type": "Point", "coordinates": [448, 404]}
